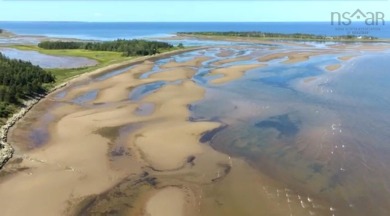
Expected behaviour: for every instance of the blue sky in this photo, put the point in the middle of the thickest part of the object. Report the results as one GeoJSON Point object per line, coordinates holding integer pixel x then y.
{"type": "Point", "coordinates": [182, 10]}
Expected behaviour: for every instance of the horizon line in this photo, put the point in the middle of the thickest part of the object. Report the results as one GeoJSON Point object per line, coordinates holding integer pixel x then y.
{"type": "Point", "coordinates": [172, 21]}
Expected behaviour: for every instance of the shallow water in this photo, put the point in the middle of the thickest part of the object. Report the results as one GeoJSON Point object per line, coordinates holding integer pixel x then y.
{"type": "Point", "coordinates": [48, 61]}
{"type": "Point", "coordinates": [144, 90]}
{"type": "Point", "coordinates": [331, 144]}
{"type": "Point", "coordinates": [86, 97]}
{"type": "Point", "coordinates": [40, 135]}
{"type": "Point", "coordinates": [324, 143]}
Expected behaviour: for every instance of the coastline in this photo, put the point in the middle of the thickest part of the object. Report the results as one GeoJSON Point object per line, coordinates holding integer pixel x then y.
{"type": "Point", "coordinates": [85, 137]}
{"type": "Point", "coordinates": [70, 170]}
{"type": "Point", "coordinates": [279, 39]}
{"type": "Point", "coordinates": [7, 151]}
{"type": "Point", "coordinates": [61, 170]}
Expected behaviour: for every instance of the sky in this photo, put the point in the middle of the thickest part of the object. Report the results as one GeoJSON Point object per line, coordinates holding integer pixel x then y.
{"type": "Point", "coordinates": [183, 10]}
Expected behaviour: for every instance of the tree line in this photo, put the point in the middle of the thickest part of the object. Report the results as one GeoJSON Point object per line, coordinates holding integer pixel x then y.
{"type": "Point", "coordinates": [20, 80]}
{"type": "Point", "coordinates": [258, 34]}
{"type": "Point", "coordinates": [127, 47]}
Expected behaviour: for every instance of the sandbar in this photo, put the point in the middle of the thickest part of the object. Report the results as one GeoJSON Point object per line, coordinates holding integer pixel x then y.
{"type": "Point", "coordinates": [333, 67]}
{"type": "Point", "coordinates": [232, 72]}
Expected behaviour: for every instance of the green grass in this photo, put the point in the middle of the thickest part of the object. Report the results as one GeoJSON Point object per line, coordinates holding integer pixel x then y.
{"type": "Point", "coordinates": [63, 75]}
{"type": "Point", "coordinates": [104, 58]}
{"type": "Point", "coordinates": [100, 56]}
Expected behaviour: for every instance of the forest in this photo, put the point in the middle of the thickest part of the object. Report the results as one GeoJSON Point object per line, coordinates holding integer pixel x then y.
{"type": "Point", "coordinates": [258, 34]}
{"type": "Point", "coordinates": [127, 47]}
{"type": "Point", "coordinates": [20, 80]}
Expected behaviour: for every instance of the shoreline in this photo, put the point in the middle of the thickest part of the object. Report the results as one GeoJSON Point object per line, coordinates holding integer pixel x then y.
{"type": "Point", "coordinates": [278, 39]}
{"type": "Point", "coordinates": [84, 139]}
{"type": "Point", "coordinates": [7, 151]}
{"type": "Point", "coordinates": [60, 171]}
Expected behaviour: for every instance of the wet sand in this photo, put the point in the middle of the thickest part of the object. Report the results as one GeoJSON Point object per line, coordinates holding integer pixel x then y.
{"type": "Point", "coordinates": [191, 63]}
{"type": "Point", "coordinates": [101, 157]}
{"type": "Point", "coordinates": [231, 60]}
{"type": "Point", "coordinates": [346, 58]}
{"type": "Point", "coordinates": [76, 153]}
{"type": "Point", "coordinates": [232, 72]}
{"type": "Point", "coordinates": [295, 56]}
{"type": "Point", "coordinates": [61, 176]}
{"type": "Point", "coordinates": [333, 67]}
{"type": "Point", "coordinates": [167, 201]}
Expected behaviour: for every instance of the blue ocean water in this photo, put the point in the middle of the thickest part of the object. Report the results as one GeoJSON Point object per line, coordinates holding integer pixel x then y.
{"type": "Point", "coordinates": [112, 30]}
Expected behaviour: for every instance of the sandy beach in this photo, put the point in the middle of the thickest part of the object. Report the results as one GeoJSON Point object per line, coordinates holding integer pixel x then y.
{"type": "Point", "coordinates": [231, 60]}
{"type": "Point", "coordinates": [232, 72]}
{"type": "Point", "coordinates": [114, 155]}
{"type": "Point", "coordinates": [296, 56]}
{"type": "Point", "coordinates": [76, 154]}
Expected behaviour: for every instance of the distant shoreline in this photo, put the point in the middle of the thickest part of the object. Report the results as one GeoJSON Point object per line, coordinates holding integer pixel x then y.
{"type": "Point", "coordinates": [113, 30]}
{"type": "Point", "coordinates": [278, 37]}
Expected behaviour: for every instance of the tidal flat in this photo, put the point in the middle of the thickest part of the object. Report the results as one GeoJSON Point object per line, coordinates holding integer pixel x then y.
{"type": "Point", "coordinates": [224, 130]}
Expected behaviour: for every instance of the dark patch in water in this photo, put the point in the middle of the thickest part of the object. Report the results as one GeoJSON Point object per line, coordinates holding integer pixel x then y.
{"type": "Point", "coordinates": [282, 75]}
{"type": "Point", "coordinates": [208, 135]}
{"type": "Point", "coordinates": [316, 167]}
{"type": "Point", "coordinates": [282, 124]}
{"type": "Point", "coordinates": [190, 107]}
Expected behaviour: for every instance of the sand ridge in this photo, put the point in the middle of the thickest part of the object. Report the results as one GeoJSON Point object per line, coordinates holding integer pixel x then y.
{"type": "Point", "coordinates": [232, 72]}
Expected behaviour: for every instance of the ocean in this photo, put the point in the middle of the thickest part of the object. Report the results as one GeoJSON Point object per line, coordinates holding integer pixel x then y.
{"type": "Point", "coordinates": [114, 30]}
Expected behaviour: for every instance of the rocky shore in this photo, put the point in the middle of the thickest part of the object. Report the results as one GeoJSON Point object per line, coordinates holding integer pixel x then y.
{"type": "Point", "coordinates": [6, 150]}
